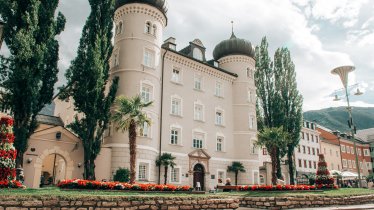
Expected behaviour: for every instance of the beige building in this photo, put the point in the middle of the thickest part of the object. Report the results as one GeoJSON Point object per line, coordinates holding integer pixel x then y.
{"type": "Point", "coordinates": [203, 111]}
{"type": "Point", "coordinates": [330, 147]}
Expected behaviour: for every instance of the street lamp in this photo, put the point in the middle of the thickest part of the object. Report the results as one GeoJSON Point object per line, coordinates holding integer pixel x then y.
{"type": "Point", "coordinates": [343, 72]}
{"type": "Point", "coordinates": [1, 32]}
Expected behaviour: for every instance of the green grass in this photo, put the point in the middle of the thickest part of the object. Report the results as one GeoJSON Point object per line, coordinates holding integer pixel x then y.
{"type": "Point", "coordinates": [53, 192]}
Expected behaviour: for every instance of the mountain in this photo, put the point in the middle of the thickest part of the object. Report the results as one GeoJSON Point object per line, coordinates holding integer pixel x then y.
{"type": "Point", "coordinates": [336, 118]}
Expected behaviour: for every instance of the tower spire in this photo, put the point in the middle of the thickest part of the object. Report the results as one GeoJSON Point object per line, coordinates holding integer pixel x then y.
{"type": "Point", "coordinates": [232, 30]}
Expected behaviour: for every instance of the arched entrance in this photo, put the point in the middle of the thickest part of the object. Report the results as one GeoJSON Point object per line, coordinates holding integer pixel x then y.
{"type": "Point", "coordinates": [199, 176]}
{"type": "Point", "coordinates": [53, 170]}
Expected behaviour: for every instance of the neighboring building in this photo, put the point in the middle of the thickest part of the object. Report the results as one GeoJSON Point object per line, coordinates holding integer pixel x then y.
{"type": "Point", "coordinates": [367, 135]}
{"type": "Point", "coordinates": [330, 147]}
{"type": "Point", "coordinates": [349, 157]}
{"type": "Point", "coordinates": [306, 153]}
{"type": "Point", "coordinates": [203, 112]}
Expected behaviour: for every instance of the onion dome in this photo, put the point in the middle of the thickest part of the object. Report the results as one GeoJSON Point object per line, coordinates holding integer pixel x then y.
{"type": "Point", "coordinates": [159, 4]}
{"type": "Point", "coordinates": [233, 46]}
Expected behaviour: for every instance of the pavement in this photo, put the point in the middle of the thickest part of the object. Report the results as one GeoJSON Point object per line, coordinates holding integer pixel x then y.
{"type": "Point", "coordinates": [356, 207]}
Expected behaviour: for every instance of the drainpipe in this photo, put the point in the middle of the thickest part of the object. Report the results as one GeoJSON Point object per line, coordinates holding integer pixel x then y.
{"type": "Point", "coordinates": [161, 112]}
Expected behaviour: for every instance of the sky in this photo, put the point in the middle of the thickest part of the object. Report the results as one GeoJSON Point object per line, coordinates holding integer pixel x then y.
{"type": "Point", "coordinates": [320, 34]}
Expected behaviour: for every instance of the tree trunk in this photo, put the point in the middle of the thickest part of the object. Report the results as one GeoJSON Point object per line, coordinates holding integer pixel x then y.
{"type": "Point", "coordinates": [19, 159]}
{"type": "Point", "coordinates": [159, 174]}
{"type": "Point", "coordinates": [274, 163]}
{"type": "Point", "coordinates": [291, 167]}
{"type": "Point", "coordinates": [166, 174]}
{"type": "Point", "coordinates": [132, 142]}
{"type": "Point", "coordinates": [236, 177]}
{"type": "Point", "coordinates": [279, 165]}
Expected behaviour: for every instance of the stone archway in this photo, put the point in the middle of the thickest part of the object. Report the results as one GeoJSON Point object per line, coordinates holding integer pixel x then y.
{"type": "Point", "coordinates": [199, 176]}
{"type": "Point", "coordinates": [38, 165]}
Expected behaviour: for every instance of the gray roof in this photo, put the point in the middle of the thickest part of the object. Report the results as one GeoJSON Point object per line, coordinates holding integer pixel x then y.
{"type": "Point", "coordinates": [159, 4]}
{"type": "Point", "coordinates": [49, 120]}
{"type": "Point", "coordinates": [233, 46]}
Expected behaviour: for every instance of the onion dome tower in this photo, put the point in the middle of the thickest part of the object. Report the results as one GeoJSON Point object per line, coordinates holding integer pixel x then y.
{"type": "Point", "coordinates": [237, 56]}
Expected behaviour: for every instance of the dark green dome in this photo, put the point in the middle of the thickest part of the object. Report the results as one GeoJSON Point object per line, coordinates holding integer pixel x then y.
{"type": "Point", "coordinates": [159, 4]}
{"type": "Point", "coordinates": [233, 46]}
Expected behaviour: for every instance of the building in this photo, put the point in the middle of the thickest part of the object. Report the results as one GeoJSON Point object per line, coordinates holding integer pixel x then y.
{"type": "Point", "coordinates": [330, 147]}
{"type": "Point", "coordinates": [203, 111]}
{"type": "Point", "coordinates": [306, 154]}
{"type": "Point", "coordinates": [367, 135]}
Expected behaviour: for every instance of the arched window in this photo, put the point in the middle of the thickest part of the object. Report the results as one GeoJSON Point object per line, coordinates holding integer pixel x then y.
{"type": "Point", "coordinates": [120, 28]}
{"type": "Point", "coordinates": [116, 30]}
{"type": "Point", "coordinates": [148, 27]}
{"type": "Point", "coordinates": [154, 30]}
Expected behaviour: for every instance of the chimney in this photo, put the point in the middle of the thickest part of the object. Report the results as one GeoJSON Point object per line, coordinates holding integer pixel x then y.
{"type": "Point", "coordinates": [170, 44]}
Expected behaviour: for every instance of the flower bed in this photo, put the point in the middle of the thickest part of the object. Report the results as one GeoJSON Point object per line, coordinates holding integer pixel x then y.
{"type": "Point", "coordinates": [11, 184]}
{"type": "Point", "coordinates": [97, 185]}
{"type": "Point", "coordinates": [276, 187]}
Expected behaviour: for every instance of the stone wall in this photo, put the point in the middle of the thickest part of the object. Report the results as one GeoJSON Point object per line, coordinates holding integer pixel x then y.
{"type": "Point", "coordinates": [116, 203]}
{"type": "Point", "coordinates": [303, 201]}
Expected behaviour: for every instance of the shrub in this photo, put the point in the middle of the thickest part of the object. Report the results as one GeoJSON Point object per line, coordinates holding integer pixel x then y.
{"type": "Point", "coordinates": [122, 175]}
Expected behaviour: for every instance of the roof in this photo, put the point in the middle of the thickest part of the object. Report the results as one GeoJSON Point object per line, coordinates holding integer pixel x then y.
{"type": "Point", "coordinates": [49, 120]}
{"type": "Point", "coordinates": [159, 4]}
{"type": "Point", "coordinates": [328, 137]}
{"type": "Point", "coordinates": [233, 46]}
{"type": "Point", "coordinates": [199, 61]}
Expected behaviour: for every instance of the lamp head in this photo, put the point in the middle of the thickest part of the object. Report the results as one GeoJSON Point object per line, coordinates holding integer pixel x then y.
{"type": "Point", "coordinates": [358, 92]}
{"type": "Point", "coordinates": [336, 98]}
{"type": "Point", "coordinates": [343, 72]}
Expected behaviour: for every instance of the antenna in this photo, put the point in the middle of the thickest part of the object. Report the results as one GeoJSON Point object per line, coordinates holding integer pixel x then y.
{"type": "Point", "coordinates": [232, 27]}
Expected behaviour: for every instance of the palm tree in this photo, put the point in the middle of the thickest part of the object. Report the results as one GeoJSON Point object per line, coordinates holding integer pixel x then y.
{"type": "Point", "coordinates": [236, 167]}
{"type": "Point", "coordinates": [166, 160]}
{"type": "Point", "coordinates": [273, 139]}
{"type": "Point", "coordinates": [129, 116]}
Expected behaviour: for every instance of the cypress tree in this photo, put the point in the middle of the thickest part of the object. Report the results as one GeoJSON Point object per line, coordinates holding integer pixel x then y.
{"type": "Point", "coordinates": [29, 74]}
{"type": "Point", "coordinates": [89, 86]}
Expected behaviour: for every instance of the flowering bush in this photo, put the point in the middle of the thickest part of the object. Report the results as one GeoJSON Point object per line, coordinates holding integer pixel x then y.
{"type": "Point", "coordinates": [276, 187]}
{"type": "Point", "coordinates": [8, 155]}
{"type": "Point", "coordinates": [97, 185]}
{"type": "Point", "coordinates": [323, 178]}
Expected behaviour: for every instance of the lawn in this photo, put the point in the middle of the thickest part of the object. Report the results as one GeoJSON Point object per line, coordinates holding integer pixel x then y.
{"type": "Point", "coordinates": [52, 191]}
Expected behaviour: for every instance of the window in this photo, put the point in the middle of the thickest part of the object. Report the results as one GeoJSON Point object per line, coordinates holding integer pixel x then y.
{"type": "Point", "coordinates": [143, 171]}
{"type": "Point", "coordinates": [154, 30]}
{"type": "Point", "coordinates": [146, 93]}
{"type": "Point", "coordinates": [198, 141]}
{"type": "Point", "coordinates": [219, 144]}
{"type": "Point", "coordinates": [174, 136]}
{"type": "Point", "coordinates": [315, 164]}
{"type": "Point", "coordinates": [307, 136]}
{"type": "Point", "coordinates": [349, 163]}
{"type": "Point", "coordinates": [368, 165]}
{"type": "Point", "coordinates": [219, 89]}
{"type": "Point", "coordinates": [198, 82]}
{"type": "Point", "coordinates": [249, 73]}
{"type": "Point", "coordinates": [264, 151]}
{"type": "Point", "coordinates": [359, 151]}
{"type": "Point", "coordinates": [309, 150]}
{"type": "Point", "coordinates": [302, 135]}
{"type": "Point", "coordinates": [251, 121]}
{"type": "Point", "coordinates": [313, 151]}
{"type": "Point", "coordinates": [148, 59]}
{"type": "Point", "coordinates": [317, 151]}
{"type": "Point", "coordinates": [366, 152]}
{"type": "Point", "coordinates": [304, 149]}
{"type": "Point", "coordinates": [147, 28]}
{"type": "Point", "coordinates": [174, 176]}
{"type": "Point", "coordinates": [316, 139]}
{"type": "Point", "coordinates": [312, 138]}
{"type": "Point", "coordinates": [344, 163]}
{"type": "Point", "coordinates": [298, 149]}
{"type": "Point", "coordinates": [305, 164]}
{"type": "Point", "coordinates": [197, 54]}
{"type": "Point", "coordinates": [343, 148]}
{"type": "Point", "coordinates": [145, 130]}
{"type": "Point", "coordinates": [176, 76]}
{"type": "Point", "coordinates": [219, 117]}
{"type": "Point", "coordinates": [300, 165]}
{"type": "Point", "coordinates": [176, 106]}
{"type": "Point", "coordinates": [199, 112]}
{"type": "Point", "coordinates": [310, 164]}
{"type": "Point", "coordinates": [253, 147]}
{"type": "Point", "coordinates": [352, 150]}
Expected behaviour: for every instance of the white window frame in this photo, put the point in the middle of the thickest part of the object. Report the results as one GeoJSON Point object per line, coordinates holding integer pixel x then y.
{"type": "Point", "coordinates": [148, 170]}
{"type": "Point", "coordinates": [349, 163]}
{"type": "Point", "coordinates": [251, 121]}
{"type": "Point", "coordinates": [176, 79]}
{"type": "Point", "coordinates": [151, 93]}
{"type": "Point", "coordinates": [148, 27]}
{"type": "Point", "coordinates": [345, 163]}
{"type": "Point", "coordinates": [198, 78]}
{"type": "Point", "coordinates": [219, 89]}
{"type": "Point", "coordinates": [179, 175]}
{"type": "Point", "coordinates": [343, 148]}
{"type": "Point", "coordinates": [149, 58]}
{"type": "Point", "coordinates": [148, 133]}
{"type": "Point", "coordinates": [179, 136]}
{"type": "Point", "coordinates": [366, 152]}
{"type": "Point", "coordinates": [202, 114]}
{"type": "Point", "coordinates": [220, 122]}
{"type": "Point", "coordinates": [154, 30]}
{"type": "Point", "coordinates": [203, 140]}
{"type": "Point", "coordinates": [222, 143]}
{"type": "Point", "coordinates": [180, 110]}
{"type": "Point", "coordinates": [197, 54]}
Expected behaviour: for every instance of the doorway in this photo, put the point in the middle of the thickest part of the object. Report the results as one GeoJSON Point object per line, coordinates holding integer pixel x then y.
{"type": "Point", "coordinates": [199, 176]}
{"type": "Point", "coordinates": [53, 170]}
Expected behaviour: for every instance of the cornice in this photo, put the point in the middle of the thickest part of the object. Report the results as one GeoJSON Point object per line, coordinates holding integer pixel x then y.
{"type": "Point", "coordinates": [136, 8]}
{"type": "Point", "coordinates": [237, 58]}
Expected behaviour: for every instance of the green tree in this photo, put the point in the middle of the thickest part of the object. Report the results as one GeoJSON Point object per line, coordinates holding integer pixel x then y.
{"type": "Point", "coordinates": [290, 104]}
{"type": "Point", "coordinates": [88, 79]}
{"type": "Point", "coordinates": [129, 116]}
{"type": "Point", "coordinates": [236, 167]}
{"type": "Point", "coordinates": [273, 138]}
{"type": "Point", "coordinates": [121, 175]}
{"type": "Point", "coordinates": [166, 160]}
{"type": "Point", "coordinates": [29, 74]}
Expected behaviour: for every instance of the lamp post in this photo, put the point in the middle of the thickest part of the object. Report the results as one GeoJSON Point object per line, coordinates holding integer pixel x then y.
{"type": "Point", "coordinates": [1, 32]}
{"type": "Point", "coordinates": [343, 72]}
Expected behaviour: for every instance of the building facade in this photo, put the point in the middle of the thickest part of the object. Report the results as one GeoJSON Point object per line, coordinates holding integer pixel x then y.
{"type": "Point", "coordinates": [306, 153]}
{"type": "Point", "coordinates": [367, 135]}
{"type": "Point", "coordinates": [203, 112]}
{"type": "Point", "coordinates": [330, 147]}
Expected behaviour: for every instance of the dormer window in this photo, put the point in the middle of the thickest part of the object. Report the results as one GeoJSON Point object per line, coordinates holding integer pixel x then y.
{"type": "Point", "coordinates": [197, 54]}
{"type": "Point", "coordinates": [154, 30]}
{"type": "Point", "coordinates": [148, 27]}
